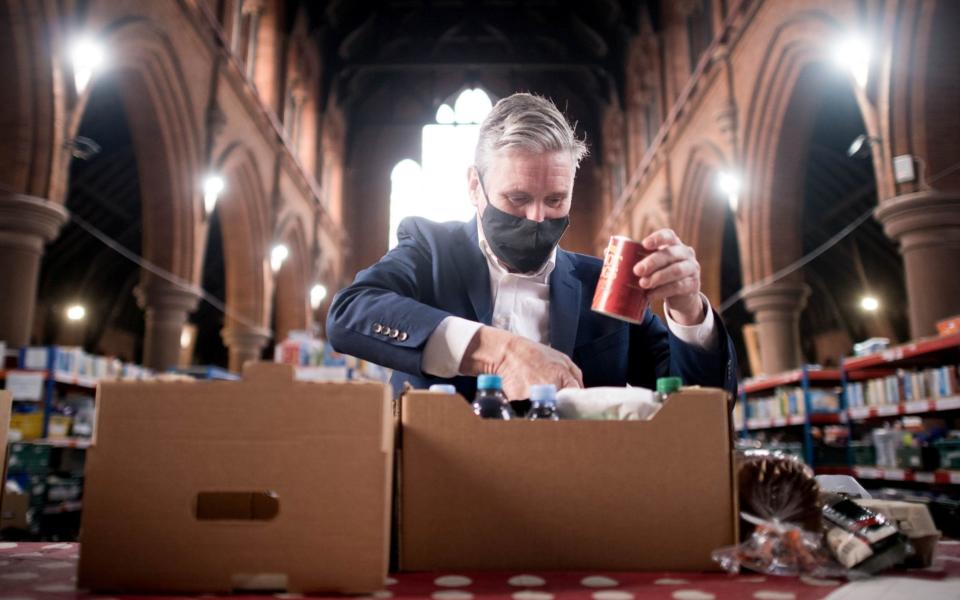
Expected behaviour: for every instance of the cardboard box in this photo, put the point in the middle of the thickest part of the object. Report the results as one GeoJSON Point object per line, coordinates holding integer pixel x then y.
{"type": "Point", "coordinates": [16, 511]}
{"type": "Point", "coordinates": [949, 326]}
{"type": "Point", "coordinates": [216, 486]}
{"type": "Point", "coordinates": [576, 495]}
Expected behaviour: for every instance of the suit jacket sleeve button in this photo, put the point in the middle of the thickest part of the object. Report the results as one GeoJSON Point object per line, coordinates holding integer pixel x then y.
{"type": "Point", "coordinates": [394, 333]}
{"type": "Point", "coordinates": [377, 327]}
{"type": "Point", "coordinates": [403, 336]}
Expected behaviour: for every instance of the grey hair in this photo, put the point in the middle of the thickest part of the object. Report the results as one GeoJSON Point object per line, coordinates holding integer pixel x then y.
{"type": "Point", "coordinates": [528, 122]}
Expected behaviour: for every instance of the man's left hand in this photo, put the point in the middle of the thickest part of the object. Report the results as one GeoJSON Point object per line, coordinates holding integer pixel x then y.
{"type": "Point", "coordinates": [671, 273]}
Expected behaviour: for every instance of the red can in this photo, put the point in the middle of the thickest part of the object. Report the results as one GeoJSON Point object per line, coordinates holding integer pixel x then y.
{"type": "Point", "coordinates": [619, 294]}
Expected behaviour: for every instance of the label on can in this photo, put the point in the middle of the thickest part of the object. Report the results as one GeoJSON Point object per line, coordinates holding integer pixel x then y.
{"type": "Point", "coordinates": [619, 294]}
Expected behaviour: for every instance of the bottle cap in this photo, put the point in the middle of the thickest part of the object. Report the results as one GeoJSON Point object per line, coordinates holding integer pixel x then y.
{"type": "Point", "coordinates": [443, 388]}
{"type": "Point", "coordinates": [668, 385]}
{"type": "Point", "coordinates": [544, 392]}
{"type": "Point", "coordinates": [489, 382]}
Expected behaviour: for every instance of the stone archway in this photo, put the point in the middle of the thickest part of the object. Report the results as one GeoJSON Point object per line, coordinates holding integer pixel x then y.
{"type": "Point", "coordinates": [778, 129]}
{"type": "Point", "coordinates": [147, 75]}
{"type": "Point", "coordinates": [699, 215]}
{"type": "Point", "coordinates": [292, 308]}
{"type": "Point", "coordinates": [245, 222]}
{"type": "Point", "coordinates": [923, 215]}
{"type": "Point", "coordinates": [30, 216]}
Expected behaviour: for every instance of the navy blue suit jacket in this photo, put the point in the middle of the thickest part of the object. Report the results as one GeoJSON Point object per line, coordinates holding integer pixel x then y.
{"type": "Point", "coordinates": [438, 270]}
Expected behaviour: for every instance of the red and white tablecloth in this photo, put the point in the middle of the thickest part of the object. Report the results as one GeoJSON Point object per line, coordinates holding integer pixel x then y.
{"type": "Point", "coordinates": [42, 571]}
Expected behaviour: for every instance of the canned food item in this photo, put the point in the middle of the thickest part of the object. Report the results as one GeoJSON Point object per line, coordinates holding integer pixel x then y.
{"type": "Point", "coordinates": [619, 294]}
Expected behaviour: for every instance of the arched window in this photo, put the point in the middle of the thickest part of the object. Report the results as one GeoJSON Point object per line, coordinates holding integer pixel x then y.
{"type": "Point", "coordinates": [436, 188]}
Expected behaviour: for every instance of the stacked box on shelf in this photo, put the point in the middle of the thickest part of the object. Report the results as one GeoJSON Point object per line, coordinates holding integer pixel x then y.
{"type": "Point", "coordinates": [789, 402]}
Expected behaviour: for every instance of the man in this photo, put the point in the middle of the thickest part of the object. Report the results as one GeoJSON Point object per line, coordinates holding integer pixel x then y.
{"type": "Point", "coordinates": [496, 295]}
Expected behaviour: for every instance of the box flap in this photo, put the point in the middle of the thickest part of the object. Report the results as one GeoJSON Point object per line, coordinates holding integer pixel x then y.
{"type": "Point", "coordinates": [168, 453]}
{"type": "Point", "coordinates": [616, 495]}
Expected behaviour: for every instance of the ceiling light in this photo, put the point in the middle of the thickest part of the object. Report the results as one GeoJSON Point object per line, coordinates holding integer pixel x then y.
{"type": "Point", "coordinates": [729, 184]}
{"type": "Point", "coordinates": [317, 293]}
{"type": "Point", "coordinates": [212, 186]}
{"type": "Point", "coordinates": [87, 56]}
{"type": "Point", "coordinates": [853, 54]}
{"type": "Point", "coordinates": [76, 312]}
{"type": "Point", "coordinates": [278, 254]}
{"type": "Point", "coordinates": [869, 303]}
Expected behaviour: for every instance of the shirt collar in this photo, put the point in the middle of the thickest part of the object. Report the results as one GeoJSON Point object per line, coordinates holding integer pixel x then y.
{"type": "Point", "coordinates": [541, 275]}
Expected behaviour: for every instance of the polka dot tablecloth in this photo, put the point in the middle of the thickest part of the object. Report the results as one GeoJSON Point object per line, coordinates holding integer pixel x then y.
{"type": "Point", "coordinates": [38, 571]}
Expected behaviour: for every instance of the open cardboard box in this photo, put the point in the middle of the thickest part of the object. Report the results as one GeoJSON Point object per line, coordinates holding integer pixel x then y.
{"type": "Point", "coordinates": [607, 495]}
{"type": "Point", "coordinates": [266, 484]}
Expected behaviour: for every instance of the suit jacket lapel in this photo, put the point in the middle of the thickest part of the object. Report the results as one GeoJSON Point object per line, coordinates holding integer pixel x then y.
{"type": "Point", "coordinates": [475, 273]}
{"type": "Point", "coordinates": [564, 304]}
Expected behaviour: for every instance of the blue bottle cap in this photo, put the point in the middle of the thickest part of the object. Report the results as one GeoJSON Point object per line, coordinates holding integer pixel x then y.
{"type": "Point", "coordinates": [543, 392]}
{"type": "Point", "coordinates": [489, 382]}
{"type": "Point", "coordinates": [443, 388]}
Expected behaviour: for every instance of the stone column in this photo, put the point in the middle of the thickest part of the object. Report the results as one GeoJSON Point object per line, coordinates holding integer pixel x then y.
{"type": "Point", "coordinates": [244, 344]}
{"type": "Point", "coordinates": [27, 224]}
{"type": "Point", "coordinates": [167, 306]}
{"type": "Point", "coordinates": [926, 224]}
{"type": "Point", "coordinates": [776, 309]}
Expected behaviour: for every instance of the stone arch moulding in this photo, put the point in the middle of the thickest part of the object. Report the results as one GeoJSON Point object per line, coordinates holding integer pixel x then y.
{"type": "Point", "coordinates": [795, 62]}
{"type": "Point", "coordinates": [699, 214]}
{"type": "Point", "coordinates": [294, 278]}
{"type": "Point", "coordinates": [146, 70]}
{"type": "Point", "coordinates": [245, 223]}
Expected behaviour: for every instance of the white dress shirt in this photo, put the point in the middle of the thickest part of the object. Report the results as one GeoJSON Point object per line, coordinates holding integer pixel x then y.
{"type": "Point", "coordinates": [521, 305]}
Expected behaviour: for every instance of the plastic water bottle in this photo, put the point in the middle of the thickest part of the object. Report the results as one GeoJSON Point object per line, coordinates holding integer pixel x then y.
{"type": "Point", "coordinates": [543, 399]}
{"type": "Point", "coordinates": [490, 401]}
{"type": "Point", "coordinates": [667, 386]}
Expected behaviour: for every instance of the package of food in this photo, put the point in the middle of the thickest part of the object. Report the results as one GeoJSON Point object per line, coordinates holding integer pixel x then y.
{"type": "Point", "coordinates": [780, 518]}
{"type": "Point", "coordinates": [774, 486]}
{"type": "Point", "coordinates": [861, 539]}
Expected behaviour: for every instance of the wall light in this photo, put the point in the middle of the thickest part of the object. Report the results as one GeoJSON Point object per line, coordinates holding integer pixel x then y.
{"type": "Point", "coordinates": [76, 312]}
{"type": "Point", "coordinates": [729, 184]}
{"type": "Point", "coordinates": [186, 337]}
{"type": "Point", "coordinates": [869, 303]}
{"type": "Point", "coordinates": [87, 56]}
{"type": "Point", "coordinates": [317, 293]}
{"type": "Point", "coordinates": [278, 254]}
{"type": "Point", "coordinates": [853, 54]}
{"type": "Point", "coordinates": [212, 187]}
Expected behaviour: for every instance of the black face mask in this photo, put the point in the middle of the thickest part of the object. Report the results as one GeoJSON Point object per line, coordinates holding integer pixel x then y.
{"type": "Point", "coordinates": [521, 244]}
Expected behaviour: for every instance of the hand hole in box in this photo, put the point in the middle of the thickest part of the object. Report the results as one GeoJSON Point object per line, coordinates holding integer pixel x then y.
{"type": "Point", "coordinates": [237, 506]}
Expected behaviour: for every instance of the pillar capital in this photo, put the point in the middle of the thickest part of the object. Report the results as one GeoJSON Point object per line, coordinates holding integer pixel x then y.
{"type": "Point", "coordinates": [29, 222]}
{"type": "Point", "coordinates": [926, 225]}
{"type": "Point", "coordinates": [780, 296]}
{"type": "Point", "coordinates": [921, 218]}
{"type": "Point", "coordinates": [167, 306]}
{"type": "Point", "coordinates": [776, 308]}
{"type": "Point", "coordinates": [244, 343]}
{"type": "Point", "coordinates": [166, 296]}
{"type": "Point", "coordinates": [245, 335]}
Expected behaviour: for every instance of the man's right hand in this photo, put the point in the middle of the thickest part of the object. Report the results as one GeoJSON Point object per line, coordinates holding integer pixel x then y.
{"type": "Point", "coordinates": [519, 361]}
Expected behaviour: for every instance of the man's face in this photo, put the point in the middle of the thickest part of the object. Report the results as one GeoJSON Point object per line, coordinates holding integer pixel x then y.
{"type": "Point", "coordinates": [526, 184]}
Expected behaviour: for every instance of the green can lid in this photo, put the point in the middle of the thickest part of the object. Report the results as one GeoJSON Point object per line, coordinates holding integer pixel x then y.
{"type": "Point", "coordinates": [668, 385]}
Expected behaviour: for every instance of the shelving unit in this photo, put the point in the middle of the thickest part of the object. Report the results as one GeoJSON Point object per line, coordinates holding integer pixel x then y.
{"type": "Point", "coordinates": [807, 378]}
{"type": "Point", "coordinates": [927, 353]}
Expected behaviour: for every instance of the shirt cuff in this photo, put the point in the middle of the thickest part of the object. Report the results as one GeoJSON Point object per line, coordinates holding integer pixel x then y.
{"type": "Point", "coordinates": [446, 346]}
{"type": "Point", "coordinates": [703, 335]}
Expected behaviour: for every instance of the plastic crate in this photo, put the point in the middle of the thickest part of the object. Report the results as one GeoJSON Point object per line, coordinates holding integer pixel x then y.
{"type": "Point", "coordinates": [864, 454]}
{"type": "Point", "coordinates": [949, 453]}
